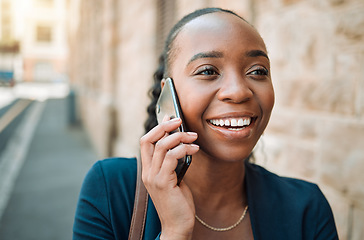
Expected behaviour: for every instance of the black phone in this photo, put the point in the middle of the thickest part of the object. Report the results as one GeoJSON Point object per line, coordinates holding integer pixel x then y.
{"type": "Point", "coordinates": [168, 104]}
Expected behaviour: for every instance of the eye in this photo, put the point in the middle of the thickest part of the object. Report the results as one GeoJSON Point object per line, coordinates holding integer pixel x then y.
{"type": "Point", "coordinates": [259, 71]}
{"type": "Point", "coordinates": [207, 71]}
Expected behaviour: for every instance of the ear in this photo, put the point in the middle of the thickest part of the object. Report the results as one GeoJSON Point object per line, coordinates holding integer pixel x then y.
{"type": "Point", "coordinates": [163, 82]}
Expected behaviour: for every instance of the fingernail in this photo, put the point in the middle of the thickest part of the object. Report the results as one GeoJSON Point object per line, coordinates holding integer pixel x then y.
{"type": "Point", "coordinates": [192, 134]}
{"type": "Point", "coordinates": [194, 145]}
{"type": "Point", "coordinates": [165, 118]}
{"type": "Point", "coordinates": [175, 119]}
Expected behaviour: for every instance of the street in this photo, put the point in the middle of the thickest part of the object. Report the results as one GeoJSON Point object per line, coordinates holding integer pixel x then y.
{"type": "Point", "coordinates": [43, 167]}
{"type": "Point", "coordinates": [33, 90]}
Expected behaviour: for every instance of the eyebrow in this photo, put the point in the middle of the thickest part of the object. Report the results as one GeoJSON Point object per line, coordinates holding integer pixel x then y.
{"type": "Point", "coordinates": [257, 53]}
{"type": "Point", "coordinates": [216, 54]}
{"type": "Point", "coordinates": [211, 54]}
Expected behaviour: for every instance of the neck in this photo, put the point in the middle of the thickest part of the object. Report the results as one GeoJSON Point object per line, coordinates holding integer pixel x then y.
{"type": "Point", "coordinates": [216, 184]}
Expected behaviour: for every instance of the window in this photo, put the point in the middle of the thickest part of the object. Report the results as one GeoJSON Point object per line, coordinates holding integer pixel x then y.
{"type": "Point", "coordinates": [44, 34]}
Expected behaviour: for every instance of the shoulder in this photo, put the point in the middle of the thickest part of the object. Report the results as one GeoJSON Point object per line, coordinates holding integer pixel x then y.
{"type": "Point", "coordinates": [285, 186]}
{"type": "Point", "coordinates": [113, 182]}
{"type": "Point", "coordinates": [106, 199]}
{"type": "Point", "coordinates": [112, 174]}
{"type": "Point", "coordinates": [116, 167]}
{"type": "Point", "coordinates": [115, 164]}
{"type": "Point", "coordinates": [296, 207]}
{"type": "Point", "coordinates": [118, 175]}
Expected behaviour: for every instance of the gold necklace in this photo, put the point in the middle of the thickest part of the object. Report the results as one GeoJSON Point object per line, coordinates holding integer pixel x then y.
{"type": "Point", "coordinates": [225, 228]}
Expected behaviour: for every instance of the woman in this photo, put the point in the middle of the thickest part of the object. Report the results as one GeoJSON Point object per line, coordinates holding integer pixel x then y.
{"type": "Point", "coordinates": [221, 72]}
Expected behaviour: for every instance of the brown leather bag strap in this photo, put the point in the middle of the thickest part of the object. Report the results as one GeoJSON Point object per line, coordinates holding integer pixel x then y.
{"type": "Point", "coordinates": [140, 206]}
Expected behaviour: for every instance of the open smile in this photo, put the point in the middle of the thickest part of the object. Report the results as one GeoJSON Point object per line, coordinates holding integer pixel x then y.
{"type": "Point", "coordinates": [234, 124]}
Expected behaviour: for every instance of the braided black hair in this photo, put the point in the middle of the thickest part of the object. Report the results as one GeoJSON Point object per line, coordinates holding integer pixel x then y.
{"type": "Point", "coordinates": [165, 59]}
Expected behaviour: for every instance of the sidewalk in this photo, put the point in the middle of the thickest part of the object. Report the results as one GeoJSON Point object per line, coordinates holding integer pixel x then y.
{"type": "Point", "coordinates": [43, 200]}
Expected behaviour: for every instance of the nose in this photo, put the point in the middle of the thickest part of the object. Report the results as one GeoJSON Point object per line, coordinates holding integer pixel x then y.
{"type": "Point", "coordinates": [234, 88]}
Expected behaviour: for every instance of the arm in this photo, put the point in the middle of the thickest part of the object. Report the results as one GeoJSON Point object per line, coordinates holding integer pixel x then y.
{"type": "Point", "coordinates": [92, 220]}
{"type": "Point", "coordinates": [325, 223]}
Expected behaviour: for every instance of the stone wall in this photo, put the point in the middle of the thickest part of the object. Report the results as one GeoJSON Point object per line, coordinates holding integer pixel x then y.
{"type": "Point", "coordinates": [317, 55]}
{"type": "Point", "coordinates": [317, 127]}
{"type": "Point", "coordinates": [137, 60]}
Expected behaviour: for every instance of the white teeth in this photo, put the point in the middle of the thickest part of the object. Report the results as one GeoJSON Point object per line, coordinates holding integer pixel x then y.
{"type": "Point", "coordinates": [240, 122]}
{"type": "Point", "coordinates": [233, 122]}
{"type": "Point", "coordinates": [235, 129]}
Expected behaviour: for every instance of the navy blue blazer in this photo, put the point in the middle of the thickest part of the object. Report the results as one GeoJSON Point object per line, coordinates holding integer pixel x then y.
{"type": "Point", "coordinates": [280, 208]}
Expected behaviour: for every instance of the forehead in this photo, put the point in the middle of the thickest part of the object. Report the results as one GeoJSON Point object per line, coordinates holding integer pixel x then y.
{"type": "Point", "coordinates": [218, 31]}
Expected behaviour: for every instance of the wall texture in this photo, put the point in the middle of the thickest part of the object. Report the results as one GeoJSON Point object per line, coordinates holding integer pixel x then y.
{"type": "Point", "coordinates": [317, 56]}
{"type": "Point", "coordinates": [317, 128]}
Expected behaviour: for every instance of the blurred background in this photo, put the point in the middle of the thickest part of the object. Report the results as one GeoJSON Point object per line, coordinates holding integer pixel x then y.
{"type": "Point", "coordinates": [74, 80]}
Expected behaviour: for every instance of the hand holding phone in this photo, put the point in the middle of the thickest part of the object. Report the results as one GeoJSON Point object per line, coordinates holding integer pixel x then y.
{"type": "Point", "coordinates": [168, 104]}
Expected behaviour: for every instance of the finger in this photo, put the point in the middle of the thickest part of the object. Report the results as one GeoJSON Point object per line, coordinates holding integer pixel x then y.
{"type": "Point", "coordinates": [159, 131]}
{"type": "Point", "coordinates": [167, 172]}
{"type": "Point", "coordinates": [148, 140]}
{"type": "Point", "coordinates": [167, 143]}
{"type": "Point", "coordinates": [165, 119]}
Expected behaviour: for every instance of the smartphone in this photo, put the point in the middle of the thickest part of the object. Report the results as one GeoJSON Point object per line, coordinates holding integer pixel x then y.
{"type": "Point", "coordinates": [168, 104]}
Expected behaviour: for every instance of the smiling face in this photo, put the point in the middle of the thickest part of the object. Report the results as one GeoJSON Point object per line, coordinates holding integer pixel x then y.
{"type": "Point", "coordinates": [221, 73]}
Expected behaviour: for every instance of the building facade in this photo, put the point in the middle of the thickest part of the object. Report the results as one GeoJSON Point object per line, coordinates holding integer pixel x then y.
{"type": "Point", "coordinates": [39, 29]}
{"type": "Point", "coordinates": [316, 50]}
{"type": "Point", "coordinates": [10, 61]}
{"type": "Point", "coordinates": [44, 45]}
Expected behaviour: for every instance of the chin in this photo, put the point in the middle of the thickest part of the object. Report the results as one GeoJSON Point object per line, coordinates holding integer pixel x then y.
{"type": "Point", "coordinates": [228, 155]}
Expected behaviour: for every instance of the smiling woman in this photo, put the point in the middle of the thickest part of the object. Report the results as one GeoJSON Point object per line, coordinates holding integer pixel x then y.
{"type": "Point", "coordinates": [221, 72]}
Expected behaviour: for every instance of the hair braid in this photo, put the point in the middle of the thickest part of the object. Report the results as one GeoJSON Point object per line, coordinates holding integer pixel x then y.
{"type": "Point", "coordinates": [154, 93]}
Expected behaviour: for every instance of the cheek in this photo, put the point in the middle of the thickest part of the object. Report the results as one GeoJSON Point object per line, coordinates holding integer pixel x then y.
{"type": "Point", "coordinates": [194, 103]}
{"type": "Point", "coordinates": [188, 95]}
{"type": "Point", "coordinates": [270, 99]}
{"type": "Point", "coordinates": [264, 94]}
{"type": "Point", "coordinates": [266, 100]}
